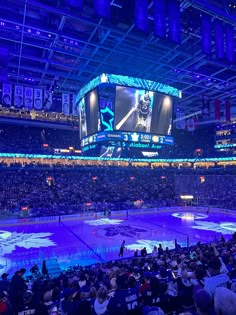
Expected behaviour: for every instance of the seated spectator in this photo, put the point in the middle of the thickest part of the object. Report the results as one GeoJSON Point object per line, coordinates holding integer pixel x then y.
{"type": "Point", "coordinates": [216, 278]}
{"type": "Point", "coordinates": [143, 252]}
{"type": "Point", "coordinates": [5, 306]}
{"type": "Point", "coordinates": [128, 296]}
{"type": "Point", "coordinates": [160, 250]}
{"type": "Point", "coordinates": [101, 302]}
{"type": "Point", "coordinates": [203, 303]}
{"type": "Point", "coordinates": [28, 307]}
{"type": "Point", "coordinates": [4, 283]}
{"type": "Point", "coordinates": [151, 296]}
{"type": "Point", "coordinates": [17, 289]}
{"type": "Point", "coordinates": [155, 252]}
{"type": "Point", "coordinates": [152, 310]}
{"type": "Point", "coordinates": [225, 301]}
{"type": "Point", "coordinates": [135, 274]}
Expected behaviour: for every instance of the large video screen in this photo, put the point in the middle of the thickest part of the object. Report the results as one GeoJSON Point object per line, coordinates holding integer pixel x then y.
{"type": "Point", "coordinates": [142, 111]}
{"type": "Point", "coordinates": [92, 112]}
{"type": "Point", "coordinates": [89, 114]}
{"type": "Point", "coordinates": [82, 118]}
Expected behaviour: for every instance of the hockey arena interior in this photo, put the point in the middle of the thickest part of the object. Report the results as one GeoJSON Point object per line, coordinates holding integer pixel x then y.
{"type": "Point", "coordinates": [117, 157]}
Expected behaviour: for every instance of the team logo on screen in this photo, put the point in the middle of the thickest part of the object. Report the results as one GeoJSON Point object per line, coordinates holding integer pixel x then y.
{"type": "Point", "coordinates": [134, 136]}
{"type": "Point", "coordinates": [155, 139]}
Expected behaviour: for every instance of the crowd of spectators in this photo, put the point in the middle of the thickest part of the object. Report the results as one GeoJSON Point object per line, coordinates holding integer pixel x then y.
{"type": "Point", "coordinates": [63, 191]}
{"type": "Point", "coordinates": [44, 115]}
{"type": "Point", "coordinates": [208, 190]}
{"type": "Point", "coordinates": [28, 139]}
{"type": "Point", "coordinates": [194, 280]}
{"type": "Point", "coordinates": [46, 191]}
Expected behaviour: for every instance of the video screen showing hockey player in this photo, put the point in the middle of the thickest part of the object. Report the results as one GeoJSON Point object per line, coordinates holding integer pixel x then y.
{"type": "Point", "coordinates": [133, 109]}
{"type": "Point", "coordinates": [143, 111]}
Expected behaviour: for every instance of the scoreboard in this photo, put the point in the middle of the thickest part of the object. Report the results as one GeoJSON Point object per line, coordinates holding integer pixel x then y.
{"type": "Point", "coordinates": [131, 112]}
{"type": "Point", "coordinates": [133, 137]}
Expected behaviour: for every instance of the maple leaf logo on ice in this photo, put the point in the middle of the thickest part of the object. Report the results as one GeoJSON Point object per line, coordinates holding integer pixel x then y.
{"type": "Point", "coordinates": [189, 215]}
{"type": "Point", "coordinates": [104, 221]}
{"type": "Point", "coordinates": [9, 241]}
{"type": "Point", "coordinates": [124, 230]}
{"type": "Point", "coordinates": [149, 244]}
{"type": "Point", "coordinates": [224, 227]}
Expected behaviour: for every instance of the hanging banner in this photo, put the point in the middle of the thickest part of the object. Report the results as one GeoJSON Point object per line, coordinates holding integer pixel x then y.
{"type": "Point", "coordinates": [190, 124]}
{"type": "Point", "coordinates": [6, 94]}
{"type": "Point", "coordinates": [206, 34]}
{"type": "Point", "coordinates": [38, 99]}
{"type": "Point", "coordinates": [66, 104]}
{"type": "Point", "coordinates": [18, 96]}
{"type": "Point", "coordinates": [217, 109]}
{"type": "Point", "coordinates": [205, 106]}
{"type": "Point", "coordinates": [29, 97]}
{"type": "Point", "coordinates": [75, 111]}
{"type": "Point", "coordinates": [180, 120]}
{"type": "Point", "coordinates": [227, 111]}
{"type": "Point", "coordinates": [159, 13]}
{"type": "Point", "coordinates": [47, 101]}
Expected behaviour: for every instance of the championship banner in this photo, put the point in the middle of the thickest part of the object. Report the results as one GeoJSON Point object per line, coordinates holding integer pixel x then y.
{"type": "Point", "coordinates": [6, 94]}
{"type": "Point", "coordinates": [66, 104]}
{"type": "Point", "coordinates": [29, 97]}
{"type": "Point", "coordinates": [18, 96]}
{"type": "Point", "coordinates": [190, 124]}
{"type": "Point", "coordinates": [227, 111]}
{"type": "Point", "coordinates": [75, 111]}
{"type": "Point", "coordinates": [217, 109]}
{"type": "Point", "coordinates": [47, 101]}
{"type": "Point", "coordinates": [180, 120]}
{"type": "Point", "coordinates": [38, 99]}
{"type": "Point", "coordinates": [205, 107]}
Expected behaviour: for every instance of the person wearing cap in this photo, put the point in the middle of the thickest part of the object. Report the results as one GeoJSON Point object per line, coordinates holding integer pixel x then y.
{"type": "Point", "coordinates": [216, 278]}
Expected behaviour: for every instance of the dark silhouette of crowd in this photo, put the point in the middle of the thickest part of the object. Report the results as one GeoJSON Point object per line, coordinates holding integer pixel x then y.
{"type": "Point", "coordinates": [63, 191]}
{"type": "Point", "coordinates": [217, 190]}
{"type": "Point", "coordinates": [36, 190]}
{"type": "Point", "coordinates": [194, 280]}
{"type": "Point", "coordinates": [28, 139]}
{"type": "Point", "coordinates": [46, 191]}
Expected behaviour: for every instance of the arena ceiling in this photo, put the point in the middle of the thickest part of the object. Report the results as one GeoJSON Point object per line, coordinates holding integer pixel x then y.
{"type": "Point", "coordinates": [52, 43]}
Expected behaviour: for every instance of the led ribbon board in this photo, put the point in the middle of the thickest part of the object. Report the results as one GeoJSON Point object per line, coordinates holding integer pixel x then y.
{"type": "Point", "coordinates": [123, 136]}
{"type": "Point", "coordinates": [84, 158]}
{"type": "Point", "coordinates": [128, 81]}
